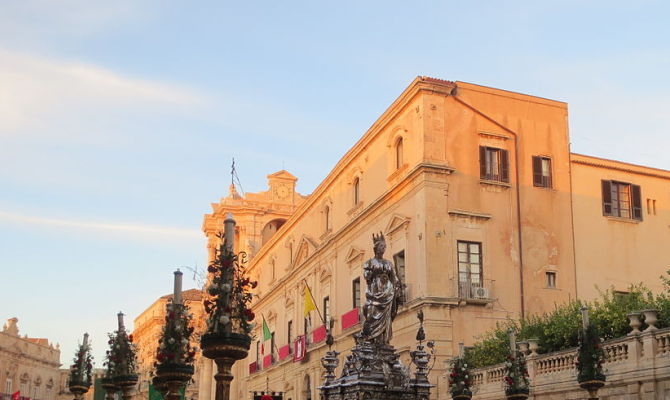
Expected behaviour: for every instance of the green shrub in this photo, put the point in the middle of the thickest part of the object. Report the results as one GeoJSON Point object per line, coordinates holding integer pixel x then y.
{"type": "Point", "coordinates": [560, 329]}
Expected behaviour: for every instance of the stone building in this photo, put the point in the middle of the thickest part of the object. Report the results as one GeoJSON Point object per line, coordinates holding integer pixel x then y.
{"type": "Point", "coordinates": [28, 365]}
{"type": "Point", "coordinates": [486, 213]}
{"type": "Point", "coordinates": [148, 327]}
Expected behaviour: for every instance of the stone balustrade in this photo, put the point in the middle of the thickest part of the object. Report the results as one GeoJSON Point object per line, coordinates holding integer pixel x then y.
{"type": "Point", "coordinates": [637, 367]}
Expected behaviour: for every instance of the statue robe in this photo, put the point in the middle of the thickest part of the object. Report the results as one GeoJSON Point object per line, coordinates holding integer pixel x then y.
{"type": "Point", "coordinates": [380, 299]}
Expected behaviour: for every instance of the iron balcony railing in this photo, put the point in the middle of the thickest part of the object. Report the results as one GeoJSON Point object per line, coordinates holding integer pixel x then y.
{"type": "Point", "coordinates": [481, 290]}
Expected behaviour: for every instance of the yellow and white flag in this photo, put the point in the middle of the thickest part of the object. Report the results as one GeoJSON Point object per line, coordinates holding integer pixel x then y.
{"type": "Point", "coordinates": [309, 301]}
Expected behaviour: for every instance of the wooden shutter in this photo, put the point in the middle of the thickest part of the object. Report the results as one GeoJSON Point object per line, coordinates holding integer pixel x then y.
{"type": "Point", "coordinates": [637, 201]}
{"type": "Point", "coordinates": [482, 162]}
{"type": "Point", "coordinates": [504, 166]}
{"type": "Point", "coordinates": [537, 171]}
{"type": "Point", "coordinates": [607, 197]}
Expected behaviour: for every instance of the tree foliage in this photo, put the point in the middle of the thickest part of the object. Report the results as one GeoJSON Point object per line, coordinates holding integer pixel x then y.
{"type": "Point", "coordinates": [560, 328]}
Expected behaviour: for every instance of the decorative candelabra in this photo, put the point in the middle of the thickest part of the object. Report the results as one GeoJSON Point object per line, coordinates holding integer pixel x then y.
{"type": "Point", "coordinates": [517, 383]}
{"type": "Point", "coordinates": [121, 372]}
{"type": "Point", "coordinates": [174, 356]}
{"type": "Point", "coordinates": [79, 380]}
{"type": "Point", "coordinates": [228, 335]}
{"type": "Point", "coordinates": [590, 358]}
{"type": "Point", "coordinates": [459, 376]}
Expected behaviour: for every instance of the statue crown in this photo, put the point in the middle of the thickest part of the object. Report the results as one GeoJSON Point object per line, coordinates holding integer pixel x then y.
{"type": "Point", "coordinates": [378, 238]}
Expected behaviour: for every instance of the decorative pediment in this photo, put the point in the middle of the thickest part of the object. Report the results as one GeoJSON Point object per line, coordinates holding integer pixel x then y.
{"type": "Point", "coordinates": [306, 247]}
{"type": "Point", "coordinates": [396, 223]}
{"type": "Point", "coordinates": [288, 301]}
{"type": "Point", "coordinates": [324, 272]}
{"type": "Point", "coordinates": [396, 133]}
{"type": "Point", "coordinates": [353, 255]}
{"type": "Point", "coordinates": [272, 314]}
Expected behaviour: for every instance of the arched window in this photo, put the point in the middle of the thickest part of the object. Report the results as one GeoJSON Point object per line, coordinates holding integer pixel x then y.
{"type": "Point", "coordinates": [306, 388]}
{"type": "Point", "coordinates": [357, 190]}
{"type": "Point", "coordinates": [326, 217]}
{"type": "Point", "coordinates": [398, 153]}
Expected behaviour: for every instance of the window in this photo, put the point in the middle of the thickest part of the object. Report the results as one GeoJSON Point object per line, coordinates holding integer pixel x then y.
{"type": "Point", "coordinates": [356, 292]}
{"type": "Point", "coordinates": [307, 324]}
{"type": "Point", "coordinates": [398, 153]}
{"type": "Point", "coordinates": [399, 261]}
{"type": "Point", "coordinates": [258, 354]}
{"type": "Point", "coordinates": [651, 206]}
{"type": "Point", "coordinates": [542, 172]}
{"type": "Point", "coordinates": [273, 346]}
{"type": "Point", "coordinates": [326, 311]}
{"type": "Point", "coordinates": [621, 200]}
{"type": "Point", "coordinates": [493, 164]}
{"type": "Point", "coordinates": [273, 270]}
{"type": "Point", "coordinates": [357, 193]}
{"type": "Point", "coordinates": [551, 279]}
{"type": "Point", "coordinates": [289, 335]}
{"type": "Point", "coordinates": [8, 386]}
{"type": "Point", "coordinates": [469, 268]}
{"type": "Point", "coordinates": [326, 218]}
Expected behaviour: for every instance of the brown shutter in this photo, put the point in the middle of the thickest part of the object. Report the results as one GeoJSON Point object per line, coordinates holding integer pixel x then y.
{"type": "Point", "coordinates": [607, 197]}
{"type": "Point", "coordinates": [637, 202]}
{"type": "Point", "coordinates": [504, 166]}
{"type": "Point", "coordinates": [482, 162]}
{"type": "Point", "coordinates": [537, 171]}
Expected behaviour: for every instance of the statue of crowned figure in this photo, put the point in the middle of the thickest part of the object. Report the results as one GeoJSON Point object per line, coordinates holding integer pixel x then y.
{"type": "Point", "coordinates": [383, 295]}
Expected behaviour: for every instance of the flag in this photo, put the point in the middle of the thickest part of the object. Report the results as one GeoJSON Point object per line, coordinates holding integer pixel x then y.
{"type": "Point", "coordinates": [267, 335]}
{"type": "Point", "coordinates": [266, 331]}
{"type": "Point", "coordinates": [309, 301]}
{"type": "Point", "coordinates": [16, 395]}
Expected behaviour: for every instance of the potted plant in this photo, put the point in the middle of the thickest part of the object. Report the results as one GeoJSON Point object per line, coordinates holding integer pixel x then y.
{"type": "Point", "coordinates": [517, 383]}
{"type": "Point", "coordinates": [459, 380]}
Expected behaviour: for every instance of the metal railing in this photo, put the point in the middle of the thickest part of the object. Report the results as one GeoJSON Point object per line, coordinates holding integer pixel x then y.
{"type": "Point", "coordinates": [482, 290]}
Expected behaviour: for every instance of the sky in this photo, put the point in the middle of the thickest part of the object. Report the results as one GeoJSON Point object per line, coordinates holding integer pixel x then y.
{"type": "Point", "coordinates": [119, 120]}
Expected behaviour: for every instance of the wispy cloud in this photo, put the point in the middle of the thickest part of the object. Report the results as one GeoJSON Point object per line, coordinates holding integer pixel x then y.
{"type": "Point", "coordinates": [100, 226]}
{"type": "Point", "coordinates": [37, 91]}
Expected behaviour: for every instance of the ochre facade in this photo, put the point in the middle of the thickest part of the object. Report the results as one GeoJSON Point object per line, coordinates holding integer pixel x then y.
{"type": "Point", "coordinates": [486, 213]}
{"type": "Point", "coordinates": [28, 365]}
{"type": "Point", "coordinates": [149, 328]}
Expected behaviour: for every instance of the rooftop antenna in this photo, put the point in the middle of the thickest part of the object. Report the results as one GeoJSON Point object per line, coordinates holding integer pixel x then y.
{"type": "Point", "coordinates": [234, 178]}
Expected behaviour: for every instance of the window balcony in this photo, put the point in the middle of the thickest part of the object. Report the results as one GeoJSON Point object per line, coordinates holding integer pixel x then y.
{"type": "Point", "coordinates": [475, 292]}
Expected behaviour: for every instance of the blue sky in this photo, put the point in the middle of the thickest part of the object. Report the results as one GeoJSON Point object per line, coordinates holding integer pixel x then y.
{"type": "Point", "coordinates": [118, 120]}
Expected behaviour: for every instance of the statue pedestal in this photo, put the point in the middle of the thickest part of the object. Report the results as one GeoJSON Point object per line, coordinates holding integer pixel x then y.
{"type": "Point", "coordinates": [374, 372]}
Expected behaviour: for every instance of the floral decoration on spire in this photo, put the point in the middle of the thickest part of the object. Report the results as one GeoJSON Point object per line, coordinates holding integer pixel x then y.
{"type": "Point", "coordinates": [174, 345]}
{"type": "Point", "coordinates": [229, 293]}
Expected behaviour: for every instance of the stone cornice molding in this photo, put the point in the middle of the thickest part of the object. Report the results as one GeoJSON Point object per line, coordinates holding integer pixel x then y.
{"type": "Point", "coordinates": [420, 84]}
{"type": "Point", "coordinates": [618, 166]}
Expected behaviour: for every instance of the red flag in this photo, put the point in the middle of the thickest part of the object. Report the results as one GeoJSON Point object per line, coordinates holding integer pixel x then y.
{"type": "Point", "coordinates": [16, 395]}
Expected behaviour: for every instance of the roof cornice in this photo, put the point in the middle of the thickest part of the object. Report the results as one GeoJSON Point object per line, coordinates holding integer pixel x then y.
{"type": "Point", "coordinates": [419, 84]}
